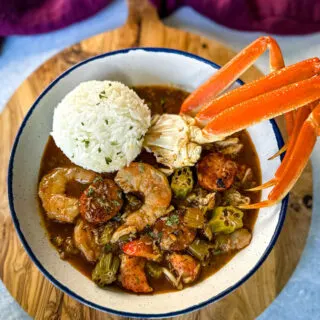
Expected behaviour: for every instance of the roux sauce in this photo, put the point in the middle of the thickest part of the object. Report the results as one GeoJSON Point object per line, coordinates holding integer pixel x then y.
{"type": "Point", "coordinates": [160, 99]}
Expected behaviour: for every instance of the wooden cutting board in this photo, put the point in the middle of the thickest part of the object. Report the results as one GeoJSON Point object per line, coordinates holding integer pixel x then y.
{"type": "Point", "coordinates": [37, 295]}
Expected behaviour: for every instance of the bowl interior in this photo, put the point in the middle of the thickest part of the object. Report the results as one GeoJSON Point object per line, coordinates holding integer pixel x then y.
{"type": "Point", "coordinates": [132, 67]}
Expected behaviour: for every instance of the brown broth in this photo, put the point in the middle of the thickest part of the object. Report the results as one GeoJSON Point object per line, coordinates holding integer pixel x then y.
{"type": "Point", "coordinates": [160, 99]}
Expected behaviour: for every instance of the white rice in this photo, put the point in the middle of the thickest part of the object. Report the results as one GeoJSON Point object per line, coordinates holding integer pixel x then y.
{"type": "Point", "coordinates": [100, 125]}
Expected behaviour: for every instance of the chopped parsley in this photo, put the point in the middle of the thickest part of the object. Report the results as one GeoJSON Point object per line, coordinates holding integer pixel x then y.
{"type": "Point", "coordinates": [82, 123]}
{"type": "Point", "coordinates": [117, 217]}
{"type": "Point", "coordinates": [86, 143]}
{"type": "Point", "coordinates": [108, 160]}
{"type": "Point", "coordinates": [103, 204]}
{"type": "Point", "coordinates": [114, 143]}
{"type": "Point", "coordinates": [115, 202]}
{"type": "Point", "coordinates": [97, 179]}
{"type": "Point", "coordinates": [90, 192]}
{"type": "Point", "coordinates": [131, 127]}
{"type": "Point", "coordinates": [154, 235]}
{"type": "Point", "coordinates": [172, 220]}
{"type": "Point", "coordinates": [102, 94]}
{"type": "Point", "coordinates": [99, 149]}
{"type": "Point", "coordinates": [106, 121]}
{"type": "Point", "coordinates": [108, 248]}
{"type": "Point", "coordinates": [141, 167]}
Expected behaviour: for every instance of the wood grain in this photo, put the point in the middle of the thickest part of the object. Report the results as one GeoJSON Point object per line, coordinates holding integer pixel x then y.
{"type": "Point", "coordinates": [35, 293]}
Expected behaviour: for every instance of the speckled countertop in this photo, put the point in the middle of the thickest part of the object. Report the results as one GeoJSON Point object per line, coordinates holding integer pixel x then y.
{"type": "Point", "coordinates": [300, 299]}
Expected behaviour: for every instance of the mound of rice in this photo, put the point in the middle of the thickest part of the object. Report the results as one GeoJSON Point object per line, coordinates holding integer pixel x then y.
{"type": "Point", "coordinates": [100, 125]}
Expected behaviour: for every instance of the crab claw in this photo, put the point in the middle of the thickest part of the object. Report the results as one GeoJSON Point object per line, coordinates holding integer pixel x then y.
{"type": "Point", "coordinates": [302, 115]}
{"type": "Point", "coordinates": [294, 161]}
{"type": "Point", "coordinates": [223, 78]}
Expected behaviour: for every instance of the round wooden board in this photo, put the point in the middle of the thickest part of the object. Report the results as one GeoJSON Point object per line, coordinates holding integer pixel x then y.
{"type": "Point", "coordinates": [36, 294]}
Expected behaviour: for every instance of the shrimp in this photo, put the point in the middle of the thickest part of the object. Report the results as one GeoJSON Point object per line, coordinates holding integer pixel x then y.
{"type": "Point", "coordinates": [52, 188]}
{"type": "Point", "coordinates": [132, 274]}
{"type": "Point", "coordinates": [85, 240]}
{"type": "Point", "coordinates": [154, 185]}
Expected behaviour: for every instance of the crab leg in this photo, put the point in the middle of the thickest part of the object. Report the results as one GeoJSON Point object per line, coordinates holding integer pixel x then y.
{"type": "Point", "coordinates": [296, 161]}
{"type": "Point", "coordinates": [291, 74]}
{"type": "Point", "coordinates": [290, 120]}
{"type": "Point", "coordinates": [302, 115]}
{"type": "Point", "coordinates": [223, 78]}
{"type": "Point", "coordinates": [264, 107]}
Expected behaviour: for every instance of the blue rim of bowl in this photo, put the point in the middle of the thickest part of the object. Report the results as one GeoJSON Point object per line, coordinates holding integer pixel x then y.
{"type": "Point", "coordinates": [58, 284]}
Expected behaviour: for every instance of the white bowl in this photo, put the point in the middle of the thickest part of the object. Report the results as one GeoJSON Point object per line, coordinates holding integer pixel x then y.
{"type": "Point", "coordinates": [132, 67]}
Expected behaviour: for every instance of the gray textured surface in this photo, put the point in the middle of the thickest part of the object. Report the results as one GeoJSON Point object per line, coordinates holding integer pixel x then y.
{"type": "Point", "coordinates": [300, 299]}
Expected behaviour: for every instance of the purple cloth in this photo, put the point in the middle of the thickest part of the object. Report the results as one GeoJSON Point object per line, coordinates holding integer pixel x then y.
{"type": "Point", "coordinates": [37, 16]}
{"type": "Point", "coordinates": [272, 16]}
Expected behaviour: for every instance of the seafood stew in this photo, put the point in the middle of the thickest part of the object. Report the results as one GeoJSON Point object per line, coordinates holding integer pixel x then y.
{"type": "Point", "coordinates": [145, 223]}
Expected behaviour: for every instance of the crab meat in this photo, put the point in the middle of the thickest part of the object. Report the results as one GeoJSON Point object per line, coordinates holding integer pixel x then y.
{"type": "Point", "coordinates": [132, 274]}
{"type": "Point", "coordinates": [176, 140]}
{"type": "Point", "coordinates": [186, 267]}
{"type": "Point", "coordinates": [142, 247]}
